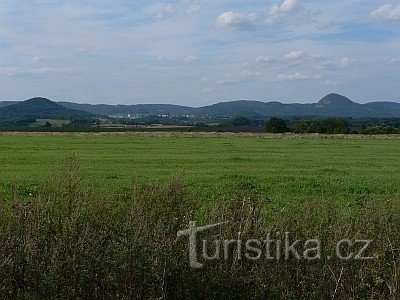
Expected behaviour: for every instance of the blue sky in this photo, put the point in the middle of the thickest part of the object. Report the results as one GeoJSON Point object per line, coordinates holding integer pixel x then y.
{"type": "Point", "coordinates": [197, 52]}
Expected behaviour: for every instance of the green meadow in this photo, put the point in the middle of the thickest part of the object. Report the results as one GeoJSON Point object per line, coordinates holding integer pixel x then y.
{"type": "Point", "coordinates": [281, 168]}
{"type": "Point", "coordinates": [101, 212]}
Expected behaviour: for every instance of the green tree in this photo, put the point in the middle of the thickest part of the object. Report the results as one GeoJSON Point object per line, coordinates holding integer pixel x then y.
{"type": "Point", "coordinates": [276, 125]}
{"type": "Point", "coordinates": [325, 126]}
{"type": "Point", "coordinates": [239, 121]}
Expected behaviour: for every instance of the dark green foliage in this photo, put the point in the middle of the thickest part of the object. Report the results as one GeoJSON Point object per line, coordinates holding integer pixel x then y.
{"type": "Point", "coordinates": [325, 126]}
{"type": "Point", "coordinates": [81, 123]}
{"type": "Point", "coordinates": [380, 129]}
{"type": "Point", "coordinates": [276, 125]}
{"type": "Point", "coordinates": [18, 122]}
{"type": "Point", "coordinates": [239, 121]}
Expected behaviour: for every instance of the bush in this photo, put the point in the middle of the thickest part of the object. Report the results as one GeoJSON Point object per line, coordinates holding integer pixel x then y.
{"type": "Point", "coordinates": [276, 125]}
{"type": "Point", "coordinates": [239, 121]}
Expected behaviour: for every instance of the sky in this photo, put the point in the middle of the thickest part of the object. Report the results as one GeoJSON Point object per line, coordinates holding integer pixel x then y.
{"type": "Point", "coordinates": [199, 52]}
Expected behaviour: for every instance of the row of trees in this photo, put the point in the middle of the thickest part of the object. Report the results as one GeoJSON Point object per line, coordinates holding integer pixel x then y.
{"type": "Point", "coordinates": [323, 126]}
{"type": "Point", "coordinates": [327, 126]}
{"type": "Point", "coordinates": [380, 129]}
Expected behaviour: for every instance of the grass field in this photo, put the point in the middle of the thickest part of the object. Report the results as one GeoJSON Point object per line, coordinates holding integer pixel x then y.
{"type": "Point", "coordinates": [119, 240]}
{"type": "Point", "coordinates": [281, 168]}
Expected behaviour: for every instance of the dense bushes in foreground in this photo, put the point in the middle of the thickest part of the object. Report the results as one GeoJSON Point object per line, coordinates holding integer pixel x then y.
{"type": "Point", "coordinates": [72, 242]}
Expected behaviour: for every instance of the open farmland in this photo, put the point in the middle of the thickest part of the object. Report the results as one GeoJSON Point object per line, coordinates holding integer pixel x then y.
{"type": "Point", "coordinates": [281, 167]}
{"type": "Point", "coordinates": [105, 219]}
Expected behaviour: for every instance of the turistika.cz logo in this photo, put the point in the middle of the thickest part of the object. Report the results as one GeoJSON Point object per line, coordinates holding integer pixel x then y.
{"type": "Point", "coordinates": [276, 247]}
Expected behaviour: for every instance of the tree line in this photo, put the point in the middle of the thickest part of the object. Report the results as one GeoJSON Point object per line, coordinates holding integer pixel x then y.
{"type": "Point", "coordinates": [327, 126]}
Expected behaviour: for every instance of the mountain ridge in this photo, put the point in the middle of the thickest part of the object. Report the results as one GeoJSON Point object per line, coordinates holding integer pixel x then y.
{"type": "Point", "coordinates": [332, 105]}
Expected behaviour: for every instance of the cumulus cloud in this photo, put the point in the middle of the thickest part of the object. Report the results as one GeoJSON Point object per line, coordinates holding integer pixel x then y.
{"type": "Point", "coordinates": [291, 12]}
{"type": "Point", "coordinates": [279, 10]}
{"type": "Point", "coordinates": [294, 55]}
{"type": "Point", "coordinates": [235, 19]}
{"type": "Point", "coordinates": [190, 58]}
{"type": "Point", "coordinates": [294, 76]}
{"type": "Point", "coordinates": [387, 12]}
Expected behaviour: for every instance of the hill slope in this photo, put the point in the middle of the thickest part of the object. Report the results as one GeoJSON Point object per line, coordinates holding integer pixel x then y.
{"type": "Point", "coordinates": [39, 108]}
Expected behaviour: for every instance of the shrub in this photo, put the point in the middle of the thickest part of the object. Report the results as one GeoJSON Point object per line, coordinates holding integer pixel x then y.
{"type": "Point", "coordinates": [276, 125]}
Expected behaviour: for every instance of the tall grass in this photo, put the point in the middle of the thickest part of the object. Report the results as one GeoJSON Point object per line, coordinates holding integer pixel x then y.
{"type": "Point", "coordinates": [71, 241]}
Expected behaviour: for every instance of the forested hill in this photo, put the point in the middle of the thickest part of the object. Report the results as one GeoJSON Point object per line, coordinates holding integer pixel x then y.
{"type": "Point", "coordinates": [39, 108]}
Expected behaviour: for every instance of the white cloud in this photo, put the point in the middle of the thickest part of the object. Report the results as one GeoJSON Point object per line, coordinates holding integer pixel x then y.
{"type": "Point", "coordinates": [37, 59]}
{"type": "Point", "coordinates": [249, 74]}
{"type": "Point", "coordinates": [295, 76]}
{"type": "Point", "coordinates": [292, 58]}
{"type": "Point", "coordinates": [265, 59]}
{"type": "Point", "coordinates": [204, 79]}
{"type": "Point", "coordinates": [184, 7]}
{"type": "Point", "coordinates": [294, 55]}
{"type": "Point", "coordinates": [162, 58]}
{"type": "Point", "coordinates": [168, 10]}
{"type": "Point", "coordinates": [207, 90]}
{"type": "Point", "coordinates": [88, 50]}
{"type": "Point", "coordinates": [291, 12]}
{"type": "Point", "coordinates": [190, 59]}
{"type": "Point", "coordinates": [387, 12]}
{"type": "Point", "coordinates": [194, 7]}
{"type": "Point", "coordinates": [342, 63]}
{"type": "Point", "coordinates": [18, 71]}
{"type": "Point", "coordinates": [345, 62]}
{"type": "Point", "coordinates": [394, 61]}
{"type": "Point", "coordinates": [287, 6]}
{"type": "Point", "coordinates": [235, 19]}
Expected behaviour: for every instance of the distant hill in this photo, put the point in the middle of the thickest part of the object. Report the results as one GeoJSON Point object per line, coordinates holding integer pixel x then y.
{"type": "Point", "coordinates": [7, 103]}
{"type": "Point", "coordinates": [39, 108]}
{"type": "Point", "coordinates": [332, 105]}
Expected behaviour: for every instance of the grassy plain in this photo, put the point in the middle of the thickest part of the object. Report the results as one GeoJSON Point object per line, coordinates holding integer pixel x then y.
{"type": "Point", "coordinates": [120, 242]}
{"type": "Point", "coordinates": [280, 167]}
